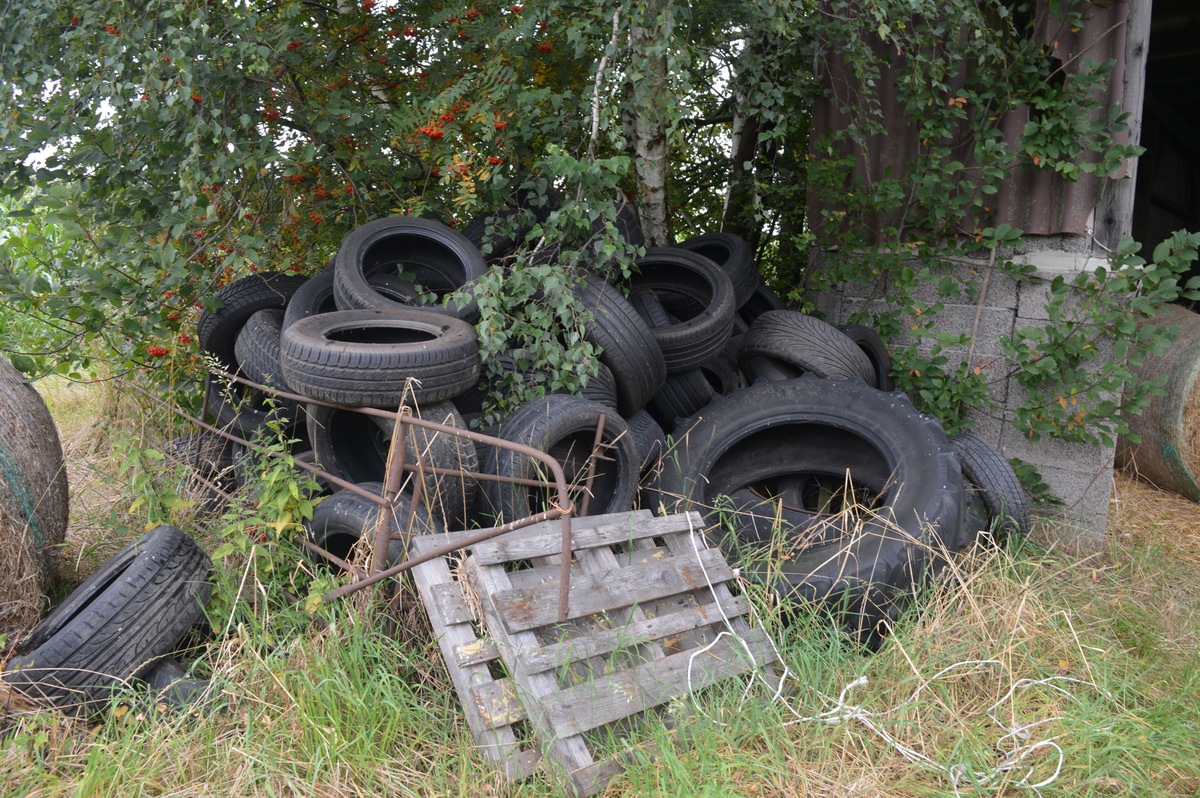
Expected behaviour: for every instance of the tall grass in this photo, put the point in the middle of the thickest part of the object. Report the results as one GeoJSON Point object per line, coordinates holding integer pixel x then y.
{"type": "Point", "coordinates": [327, 704]}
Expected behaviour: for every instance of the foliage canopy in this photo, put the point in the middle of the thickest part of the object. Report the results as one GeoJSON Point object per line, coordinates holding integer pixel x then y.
{"type": "Point", "coordinates": [152, 152]}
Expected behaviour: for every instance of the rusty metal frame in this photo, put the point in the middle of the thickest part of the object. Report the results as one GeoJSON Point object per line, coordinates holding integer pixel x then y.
{"type": "Point", "coordinates": [393, 481]}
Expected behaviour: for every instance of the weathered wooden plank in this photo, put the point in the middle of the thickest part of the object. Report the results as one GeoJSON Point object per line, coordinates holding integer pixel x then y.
{"type": "Point", "coordinates": [449, 598]}
{"type": "Point", "coordinates": [588, 532]}
{"type": "Point", "coordinates": [500, 743]}
{"type": "Point", "coordinates": [498, 703]}
{"type": "Point", "coordinates": [623, 693]}
{"type": "Point", "coordinates": [640, 556]}
{"type": "Point", "coordinates": [657, 629]}
{"type": "Point", "coordinates": [475, 653]}
{"type": "Point", "coordinates": [570, 753]}
{"type": "Point", "coordinates": [680, 545]}
{"type": "Point", "coordinates": [530, 607]}
{"type": "Point", "coordinates": [601, 561]}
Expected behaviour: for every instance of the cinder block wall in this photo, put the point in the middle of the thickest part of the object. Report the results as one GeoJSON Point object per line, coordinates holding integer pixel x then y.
{"type": "Point", "coordinates": [1079, 474]}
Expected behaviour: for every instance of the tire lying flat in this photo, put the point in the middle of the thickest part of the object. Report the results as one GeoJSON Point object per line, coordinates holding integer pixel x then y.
{"type": "Point", "coordinates": [706, 319]}
{"type": "Point", "coordinates": [116, 624]}
{"type": "Point", "coordinates": [372, 358]}
{"type": "Point", "coordinates": [733, 255]}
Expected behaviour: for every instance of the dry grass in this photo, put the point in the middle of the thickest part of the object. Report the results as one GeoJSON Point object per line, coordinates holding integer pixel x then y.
{"type": "Point", "coordinates": [1156, 517]}
{"type": "Point", "coordinates": [321, 707]}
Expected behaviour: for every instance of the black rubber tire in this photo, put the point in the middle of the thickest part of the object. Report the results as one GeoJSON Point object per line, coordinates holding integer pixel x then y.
{"type": "Point", "coordinates": [876, 350]}
{"type": "Point", "coordinates": [564, 427]}
{"type": "Point", "coordinates": [116, 624]}
{"type": "Point", "coordinates": [340, 521]}
{"type": "Point", "coordinates": [688, 341]}
{"type": "Point", "coordinates": [422, 251]}
{"type": "Point", "coordinates": [782, 344]}
{"type": "Point", "coordinates": [649, 439]}
{"type": "Point", "coordinates": [762, 300]}
{"type": "Point", "coordinates": [355, 446]}
{"type": "Point", "coordinates": [601, 388]}
{"type": "Point", "coordinates": [258, 355]}
{"type": "Point", "coordinates": [682, 395]}
{"type": "Point", "coordinates": [371, 357]}
{"type": "Point", "coordinates": [529, 209]}
{"type": "Point", "coordinates": [998, 508]}
{"type": "Point", "coordinates": [723, 374]}
{"type": "Point", "coordinates": [312, 298]}
{"type": "Point", "coordinates": [627, 345]}
{"type": "Point", "coordinates": [217, 330]}
{"type": "Point", "coordinates": [773, 430]}
{"type": "Point", "coordinates": [173, 687]}
{"type": "Point", "coordinates": [733, 255]}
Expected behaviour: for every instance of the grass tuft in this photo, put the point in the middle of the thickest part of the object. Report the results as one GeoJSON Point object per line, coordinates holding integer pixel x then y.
{"type": "Point", "coordinates": [1097, 653]}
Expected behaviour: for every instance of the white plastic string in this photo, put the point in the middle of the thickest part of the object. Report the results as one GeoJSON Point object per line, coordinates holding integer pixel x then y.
{"type": "Point", "coordinates": [1014, 745]}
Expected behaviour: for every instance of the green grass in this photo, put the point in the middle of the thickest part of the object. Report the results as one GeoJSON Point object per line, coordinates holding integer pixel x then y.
{"type": "Point", "coordinates": [327, 705]}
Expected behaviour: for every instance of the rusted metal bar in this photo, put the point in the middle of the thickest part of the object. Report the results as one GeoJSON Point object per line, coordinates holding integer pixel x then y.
{"type": "Point", "coordinates": [393, 473]}
{"type": "Point", "coordinates": [563, 508]}
{"type": "Point", "coordinates": [457, 544]}
{"type": "Point", "coordinates": [591, 468]}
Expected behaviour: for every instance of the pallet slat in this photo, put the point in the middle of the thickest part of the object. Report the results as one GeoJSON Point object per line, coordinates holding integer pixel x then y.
{"type": "Point", "coordinates": [558, 655]}
{"type": "Point", "coordinates": [530, 607]}
{"type": "Point", "coordinates": [589, 532]}
{"type": "Point", "coordinates": [648, 604]}
{"type": "Point", "coordinates": [627, 692]}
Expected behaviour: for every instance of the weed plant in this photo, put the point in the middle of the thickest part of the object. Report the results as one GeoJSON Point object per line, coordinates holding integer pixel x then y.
{"type": "Point", "coordinates": [317, 700]}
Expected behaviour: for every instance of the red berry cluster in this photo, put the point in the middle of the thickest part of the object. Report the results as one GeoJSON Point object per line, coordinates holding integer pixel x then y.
{"type": "Point", "coordinates": [157, 351]}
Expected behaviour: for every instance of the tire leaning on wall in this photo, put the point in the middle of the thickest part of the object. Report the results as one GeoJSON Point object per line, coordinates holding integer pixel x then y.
{"type": "Point", "coordinates": [33, 500]}
{"type": "Point", "coordinates": [1166, 455]}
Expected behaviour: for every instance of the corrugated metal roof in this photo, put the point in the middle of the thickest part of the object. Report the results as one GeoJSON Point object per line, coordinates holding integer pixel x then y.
{"type": "Point", "coordinates": [1035, 200]}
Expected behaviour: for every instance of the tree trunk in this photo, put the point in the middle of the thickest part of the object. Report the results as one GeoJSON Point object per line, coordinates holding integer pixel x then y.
{"type": "Point", "coordinates": [645, 117]}
{"type": "Point", "coordinates": [738, 214]}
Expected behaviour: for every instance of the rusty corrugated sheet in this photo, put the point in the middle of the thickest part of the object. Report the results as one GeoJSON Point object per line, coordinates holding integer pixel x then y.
{"type": "Point", "coordinates": [1036, 200]}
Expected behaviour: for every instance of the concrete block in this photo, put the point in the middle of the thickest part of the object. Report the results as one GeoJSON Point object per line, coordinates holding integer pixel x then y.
{"type": "Point", "coordinates": [987, 424]}
{"type": "Point", "coordinates": [1083, 520]}
{"type": "Point", "coordinates": [1032, 296]}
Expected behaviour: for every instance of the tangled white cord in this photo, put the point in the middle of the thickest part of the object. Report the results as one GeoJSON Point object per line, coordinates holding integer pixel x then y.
{"type": "Point", "coordinates": [1013, 745]}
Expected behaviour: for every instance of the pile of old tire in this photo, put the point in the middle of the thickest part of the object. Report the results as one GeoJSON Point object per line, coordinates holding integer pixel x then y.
{"type": "Point", "coordinates": [119, 626]}
{"type": "Point", "coordinates": [780, 424]}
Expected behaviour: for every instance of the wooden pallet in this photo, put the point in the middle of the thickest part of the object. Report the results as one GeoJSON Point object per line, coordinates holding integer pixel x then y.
{"type": "Point", "coordinates": [647, 602]}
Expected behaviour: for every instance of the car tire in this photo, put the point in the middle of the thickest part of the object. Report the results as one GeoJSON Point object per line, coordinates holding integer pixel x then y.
{"type": "Point", "coordinates": [783, 344]}
{"type": "Point", "coordinates": [564, 427]}
{"type": "Point", "coordinates": [426, 253]}
{"type": "Point", "coordinates": [133, 610]}
{"type": "Point", "coordinates": [378, 358]}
